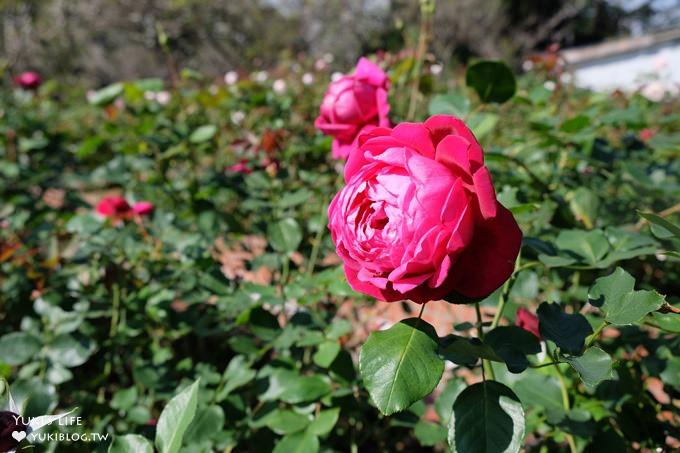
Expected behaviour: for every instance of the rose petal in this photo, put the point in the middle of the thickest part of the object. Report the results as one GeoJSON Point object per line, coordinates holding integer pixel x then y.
{"type": "Point", "coordinates": [489, 260]}
{"type": "Point", "coordinates": [485, 192]}
{"type": "Point", "coordinates": [416, 136]}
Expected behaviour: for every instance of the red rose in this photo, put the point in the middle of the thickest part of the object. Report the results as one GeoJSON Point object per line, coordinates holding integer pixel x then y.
{"type": "Point", "coordinates": [114, 207]}
{"type": "Point", "coordinates": [418, 218]}
{"type": "Point", "coordinates": [28, 80]}
{"type": "Point", "coordinates": [527, 321]}
{"type": "Point", "coordinates": [353, 103]}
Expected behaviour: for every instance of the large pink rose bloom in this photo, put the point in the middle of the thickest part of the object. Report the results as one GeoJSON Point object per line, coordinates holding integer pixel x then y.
{"type": "Point", "coordinates": [418, 218]}
{"type": "Point", "coordinates": [354, 103]}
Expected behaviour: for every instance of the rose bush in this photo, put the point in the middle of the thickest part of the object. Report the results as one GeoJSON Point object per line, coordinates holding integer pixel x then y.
{"type": "Point", "coordinates": [353, 103]}
{"type": "Point", "coordinates": [234, 283]}
{"type": "Point", "coordinates": [418, 218]}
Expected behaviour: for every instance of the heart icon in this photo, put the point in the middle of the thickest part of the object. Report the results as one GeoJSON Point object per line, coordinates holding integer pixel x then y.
{"type": "Point", "coordinates": [19, 435]}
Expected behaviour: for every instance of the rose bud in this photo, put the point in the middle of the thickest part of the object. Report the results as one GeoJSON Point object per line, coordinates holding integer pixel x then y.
{"type": "Point", "coordinates": [11, 423]}
{"type": "Point", "coordinates": [28, 80]}
{"type": "Point", "coordinates": [352, 103]}
{"type": "Point", "coordinates": [143, 208]}
{"type": "Point", "coordinates": [527, 321]}
{"type": "Point", "coordinates": [113, 207]}
{"type": "Point", "coordinates": [418, 217]}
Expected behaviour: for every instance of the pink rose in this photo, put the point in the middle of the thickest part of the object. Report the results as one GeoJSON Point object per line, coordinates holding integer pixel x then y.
{"type": "Point", "coordinates": [353, 103]}
{"type": "Point", "coordinates": [28, 80]}
{"type": "Point", "coordinates": [143, 208]}
{"type": "Point", "coordinates": [239, 167]}
{"type": "Point", "coordinates": [527, 321]}
{"type": "Point", "coordinates": [418, 218]}
{"type": "Point", "coordinates": [647, 134]}
{"type": "Point", "coordinates": [113, 207]}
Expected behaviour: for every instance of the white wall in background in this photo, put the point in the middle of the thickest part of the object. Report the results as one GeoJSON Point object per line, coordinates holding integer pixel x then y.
{"type": "Point", "coordinates": [633, 70]}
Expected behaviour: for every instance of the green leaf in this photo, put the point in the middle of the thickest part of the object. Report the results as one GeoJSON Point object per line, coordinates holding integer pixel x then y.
{"type": "Point", "coordinates": [594, 366]}
{"type": "Point", "coordinates": [455, 104]}
{"type": "Point", "coordinates": [626, 245]}
{"type": "Point", "coordinates": [575, 124]}
{"type": "Point", "coordinates": [124, 399]}
{"type": "Point", "coordinates": [324, 422]}
{"type": "Point", "coordinates": [150, 84]}
{"type": "Point", "coordinates": [671, 373]}
{"type": "Point", "coordinates": [130, 443]}
{"type": "Point", "coordinates": [237, 374]}
{"type": "Point", "coordinates": [592, 246]}
{"type": "Point", "coordinates": [203, 133]}
{"type": "Point", "coordinates": [284, 421]}
{"type": "Point", "coordinates": [444, 402]}
{"type": "Point", "coordinates": [621, 304]}
{"type": "Point", "coordinates": [285, 235]}
{"type": "Point", "coordinates": [541, 392]}
{"type": "Point", "coordinates": [670, 322]}
{"type": "Point", "coordinates": [492, 80]}
{"type": "Point", "coordinates": [400, 365]}
{"type": "Point", "coordinates": [482, 123]}
{"type": "Point", "coordinates": [487, 418]}
{"type": "Point", "coordinates": [429, 434]}
{"type": "Point", "coordinates": [512, 344]}
{"type": "Point", "coordinates": [208, 422]}
{"type": "Point", "coordinates": [263, 324]}
{"type": "Point", "coordinates": [70, 351]}
{"type": "Point", "coordinates": [466, 351]}
{"type": "Point", "coordinates": [175, 419]}
{"type": "Point", "coordinates": [664, 223]}
{"type": "Point", "coordinates": [304, 388]}
{"type": "Point", "coordinates": [300, 442]}
{"type": "Point", "coordinates": [567, 331]}
{"type": "Point", "coordinates": [584, 205]}
{"type": "Point", "coordinates": [326, 353]}
{"type": "Point", "coordinates": [19, 347]}
{"type": "Point", "coordinates": [106, 95]}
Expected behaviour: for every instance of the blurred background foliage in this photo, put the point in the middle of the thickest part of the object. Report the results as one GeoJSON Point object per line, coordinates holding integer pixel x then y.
{"type": "Point", "coordinates": [101, 41]}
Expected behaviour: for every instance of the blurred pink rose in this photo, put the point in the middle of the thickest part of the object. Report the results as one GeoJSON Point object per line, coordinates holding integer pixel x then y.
{"type": "Point", "coordinates": [143, 208]}
{"type": "Point", "coordinates": [647, 134]}
{"type": "Point", "coordinates": [28, 80]}
{"type": "Point", "coordinates": [352, 103]}
{"type": "Point", "coordinates": [239, 167]}
{"type": "Point", "coordinates": [527, 321]}
{"type": "Point", "coordinates": [418, 218]}
{"type": "Point", "coordinates": [113, 206]}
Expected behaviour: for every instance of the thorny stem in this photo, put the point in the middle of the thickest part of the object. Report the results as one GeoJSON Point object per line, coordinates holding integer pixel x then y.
{"type": "Point", "coordinates": [565, 398]}
{"type": "Point", "coordinates": [504, 296]}
{"type": "Point", "coordinates": [486, 365]}
{"type": "Point", "coordinates": [426, 14]}
{"type": "Point", "coordinates": [115, 309]}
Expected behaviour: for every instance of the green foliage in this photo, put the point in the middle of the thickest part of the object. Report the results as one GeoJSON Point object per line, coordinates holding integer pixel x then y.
{"type": "Point", "coordinates": [492, 80]}
{"type": "Point", "coordinates": [619, 302]}
{"type": "Point", "coordinates": [567, 330]}
{"type": "Point", "coordinates": [400, 365]}
{"type": "Point", "coordinates": [175, 419]}
{"type": "Point", "coordinates": [487, 417]}
{"type": "Point", "coordinates": [233, 280]}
